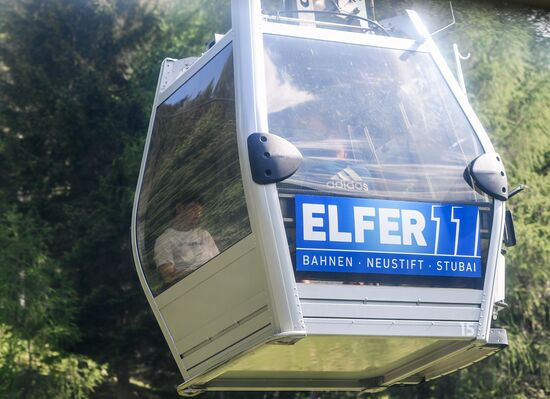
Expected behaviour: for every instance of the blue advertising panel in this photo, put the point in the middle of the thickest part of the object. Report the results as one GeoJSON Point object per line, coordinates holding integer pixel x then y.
{"type": "Point", "coordinates": [358, 235]}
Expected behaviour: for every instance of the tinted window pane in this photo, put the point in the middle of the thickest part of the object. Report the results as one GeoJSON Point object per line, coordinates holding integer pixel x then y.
{"type": "Point", "coordinates": [192, 204]}
{"type": "Point", "coordinates": [370, 121]}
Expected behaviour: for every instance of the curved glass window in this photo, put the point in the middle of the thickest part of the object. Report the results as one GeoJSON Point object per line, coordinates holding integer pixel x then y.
{"type": "Point", "coordinates": [191, 203]}
{"type": "Point", "coordinates": [375, 123]}
{"type": "Point", "coordinates": [369, 121]}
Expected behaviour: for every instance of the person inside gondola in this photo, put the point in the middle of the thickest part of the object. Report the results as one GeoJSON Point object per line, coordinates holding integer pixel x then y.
{"type": "Point", "coordinates": [184, 246]}
{"type": "Point", "coordinates": [335, 157]}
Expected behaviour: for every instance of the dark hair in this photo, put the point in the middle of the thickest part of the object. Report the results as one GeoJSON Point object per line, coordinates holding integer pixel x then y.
{"type": "Point", "coordinates": [188, 198]}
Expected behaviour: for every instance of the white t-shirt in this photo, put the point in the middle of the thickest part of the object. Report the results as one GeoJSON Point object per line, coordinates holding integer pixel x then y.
{"type": "Point", "coordinates": [187, 250]}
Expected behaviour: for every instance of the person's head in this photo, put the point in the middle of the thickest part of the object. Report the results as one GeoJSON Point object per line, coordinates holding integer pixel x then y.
{"type": "Point", "coordinates": [188, 213]}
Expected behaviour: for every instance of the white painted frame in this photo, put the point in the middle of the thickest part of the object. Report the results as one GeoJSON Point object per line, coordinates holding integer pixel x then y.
{"type": "Point", "coordinates": [499, 208]}
{"type": "Point", "coordinates": [262, 200]}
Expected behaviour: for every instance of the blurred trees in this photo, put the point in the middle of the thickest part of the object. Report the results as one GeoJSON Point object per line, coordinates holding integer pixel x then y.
{"type": "Point", "coordinates": [76, 86]}
{"type": "Point", "coordinates": [508, 81]}
{"type": "Point", "coordinates": [36, 319]}
{"type": "Point", "coordinates": [73, 114]}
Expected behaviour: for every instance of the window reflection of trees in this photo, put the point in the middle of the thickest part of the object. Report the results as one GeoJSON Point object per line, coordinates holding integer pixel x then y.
{"type": "Point", "coordinates": [390, 111]}
{"type": "Point", "coordinates": [193, 153]}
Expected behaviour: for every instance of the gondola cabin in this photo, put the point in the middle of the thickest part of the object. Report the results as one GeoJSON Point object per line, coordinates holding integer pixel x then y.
{"type": "Point", "coordinates": [319, 208]}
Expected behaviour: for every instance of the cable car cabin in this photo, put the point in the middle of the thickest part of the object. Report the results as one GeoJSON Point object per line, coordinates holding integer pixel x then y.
{"type": "Point", "coordinates": [319, 208]}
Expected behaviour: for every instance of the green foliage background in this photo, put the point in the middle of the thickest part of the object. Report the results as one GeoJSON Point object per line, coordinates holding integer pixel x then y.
{"type": "Point", "coordinates": [76, 85]}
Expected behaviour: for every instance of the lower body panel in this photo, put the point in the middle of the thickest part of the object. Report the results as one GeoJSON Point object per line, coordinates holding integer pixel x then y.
{"type": "Point", "coordinates": [349, 362]}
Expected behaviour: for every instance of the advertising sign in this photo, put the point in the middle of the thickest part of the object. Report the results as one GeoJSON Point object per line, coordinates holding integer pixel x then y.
{"type": "Point", "coordinates": [358, 235]}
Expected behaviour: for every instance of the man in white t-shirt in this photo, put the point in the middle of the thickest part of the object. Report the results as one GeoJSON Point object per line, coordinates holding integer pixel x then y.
{"type": "Point", "coordinates": [184, 247]}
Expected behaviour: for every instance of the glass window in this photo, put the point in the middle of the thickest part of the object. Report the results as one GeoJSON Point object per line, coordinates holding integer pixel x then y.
{"type": "Point", "coordinates": [369, 121]}
{"type": "Point", "coordinates": [191, 204]}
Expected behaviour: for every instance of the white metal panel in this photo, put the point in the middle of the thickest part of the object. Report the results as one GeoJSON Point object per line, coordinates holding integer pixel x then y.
{"type": "Point", "coordinates": [368, 293]}
{"type": "Point", "coordinates": [403, 328]}
{"type": "Point", "coordinates": [215, 265]}
{"type": "Point", "coordinates": [174, 69]}
{"type": "Point", "coordinates": [489, 287]}
{"type": "Point", "coordinates": [194, 68]}
{"type": "Point", "coordinates": [418, 363]}
{"type": "Point", "coordinates": [166, 74]}
{"type": "Point", "coordinates": [332, 357]}
{"type": "Point", "coordinates": [218, 363]}
{"type": "Point", "coordinates": [255, 306]}
{"type": "Point", "coordinates": [389, 311]}
{"type": "Point", "coordinates": [344, 361]}
{"type": "Point", "coordinates": [343, 37]}
{"type": "Point", "coordinates": [458, 361]}
{"type": "Point", "coordinates": [203, 354]}
{"type": "Point", "coordinates": [280, 384]}
{"type": "Point", "coordinates": [262, 200]}
{"type": "Point", "coordinates": [500, 279]}
{"type": "Point", "coordinates": [215, 296]}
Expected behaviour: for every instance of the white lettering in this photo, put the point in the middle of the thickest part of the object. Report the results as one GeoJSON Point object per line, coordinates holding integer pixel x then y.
{"type": "Point", "coordinates": [411, 229]}
{"type": "Point", "coordinates": [334, 234]}
{"type": "Point", "coordinates": [359, 213]}
{"type": "Point", "coordinates": [311, 222]}
{"type": "Point", "coordinates": [387, 226]}
{"type": "Point", "coordinates": [327, 260]}
{"type": "Point", "coordinates": [394, 263]}
{"type": "Point", "coordinates": [453, 266]}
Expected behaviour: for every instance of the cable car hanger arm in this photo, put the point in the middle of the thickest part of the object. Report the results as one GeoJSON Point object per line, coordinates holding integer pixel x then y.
{"type": "Point", "coordinates": [343, 14]}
